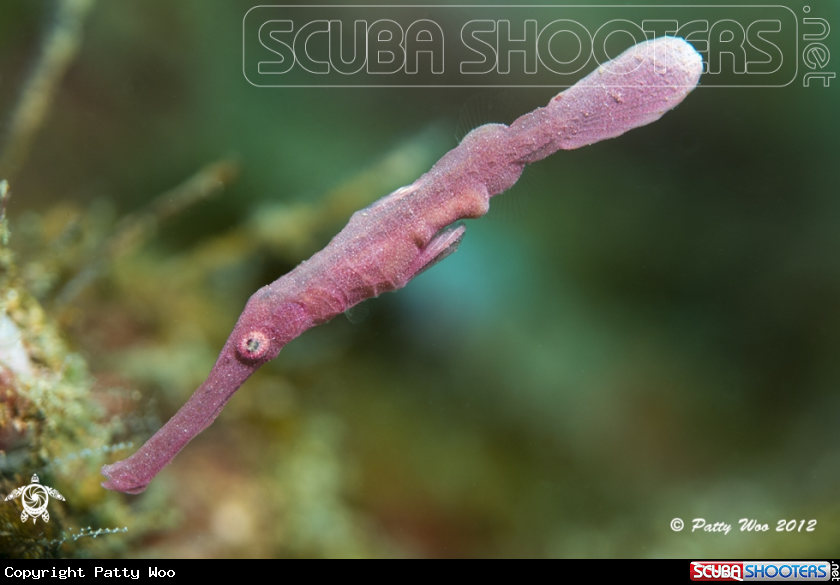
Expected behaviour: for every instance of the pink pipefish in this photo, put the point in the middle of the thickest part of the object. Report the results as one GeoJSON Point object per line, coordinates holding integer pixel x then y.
{"type": "Point", "coordinates": [388, 243]}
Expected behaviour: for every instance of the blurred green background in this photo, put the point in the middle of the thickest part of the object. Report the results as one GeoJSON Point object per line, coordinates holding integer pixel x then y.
{"type": "Point", "coordinates": [646, 329]}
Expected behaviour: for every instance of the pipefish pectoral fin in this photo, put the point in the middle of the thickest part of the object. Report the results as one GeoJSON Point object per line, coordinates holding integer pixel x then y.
{"type": "Point", "coordinates": [442, 245]}
{"type": "Point", "coordinates": [358, 313]}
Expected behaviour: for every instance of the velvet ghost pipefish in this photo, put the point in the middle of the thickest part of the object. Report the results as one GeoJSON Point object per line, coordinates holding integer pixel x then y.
{"type": "Point", "coordinates": [389, 243]}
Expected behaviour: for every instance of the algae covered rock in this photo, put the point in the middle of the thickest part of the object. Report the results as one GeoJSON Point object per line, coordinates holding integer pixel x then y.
{"type": "Point", "coordinates": [50, 425]}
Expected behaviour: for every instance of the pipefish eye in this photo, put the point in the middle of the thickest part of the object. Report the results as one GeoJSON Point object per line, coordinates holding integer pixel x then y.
{"type": "Point", "coordinates": [253, 345]}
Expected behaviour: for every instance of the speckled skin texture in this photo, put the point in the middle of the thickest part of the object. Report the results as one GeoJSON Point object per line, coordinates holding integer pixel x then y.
{"type": "Point", "coordinates": [387, 244]}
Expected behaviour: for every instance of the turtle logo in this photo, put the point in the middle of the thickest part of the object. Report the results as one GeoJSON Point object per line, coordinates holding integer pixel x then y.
{"type": "Point", "coordinates": [35, 499]}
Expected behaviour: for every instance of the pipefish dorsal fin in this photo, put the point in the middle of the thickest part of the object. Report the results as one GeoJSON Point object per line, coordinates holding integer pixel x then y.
{"type": "Point", "coordinates": [500, 107]}
{"type": "Point", "coordinates": [487, 107]}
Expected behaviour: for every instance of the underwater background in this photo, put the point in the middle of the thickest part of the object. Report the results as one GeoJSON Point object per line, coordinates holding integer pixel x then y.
{"type": "Point", "coordinates": [641, 330]}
